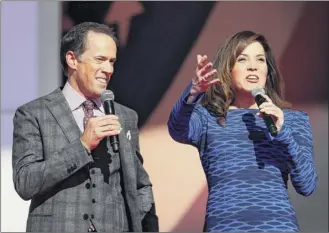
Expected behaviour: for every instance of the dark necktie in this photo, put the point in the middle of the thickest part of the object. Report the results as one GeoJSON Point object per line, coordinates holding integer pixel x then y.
{"type": "Point", "coordinates": [89, 111]}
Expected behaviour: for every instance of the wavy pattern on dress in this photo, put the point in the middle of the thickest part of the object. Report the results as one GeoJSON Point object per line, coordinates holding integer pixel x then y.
{"type": "Point", "coordinates": [247, 170]}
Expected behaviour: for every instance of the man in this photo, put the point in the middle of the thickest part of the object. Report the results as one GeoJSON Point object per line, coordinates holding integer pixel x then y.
{"type": "Point", "coordinates": [62, 157]}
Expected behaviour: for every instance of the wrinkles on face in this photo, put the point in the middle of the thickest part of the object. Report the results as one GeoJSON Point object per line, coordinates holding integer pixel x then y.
{"type": "Point", "coordinates": [96, 65]}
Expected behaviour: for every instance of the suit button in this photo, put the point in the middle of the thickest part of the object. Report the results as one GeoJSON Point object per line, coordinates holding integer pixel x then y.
{"type": "Point", "coordinates": [92, 216]}
{"type": "Point", "coordinates": [87, 186]}
{"type": "Point", "coordinates": [93, 200]}
{"type": "Point", "coordinates": [85, 216]}
{"type": "Point", "coordinates": [92, 171]}
{"type": "Point", "coordinates": [94, 186]}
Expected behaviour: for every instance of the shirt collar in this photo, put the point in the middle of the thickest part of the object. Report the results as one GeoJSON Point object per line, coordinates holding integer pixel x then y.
{"type": "Point", "coordinates": [75, 100]}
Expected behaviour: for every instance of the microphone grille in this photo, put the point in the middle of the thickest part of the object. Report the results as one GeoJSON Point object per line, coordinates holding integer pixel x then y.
{"type": "Point", "coordinates": [107, 95]}
{"type": "Point", "coordinates": [257, 91]}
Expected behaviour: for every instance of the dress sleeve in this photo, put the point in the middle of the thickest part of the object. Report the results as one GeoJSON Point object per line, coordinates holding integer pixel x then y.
{"type": "Point", "coordinates": [185, 122]}
{"type": "Point", "coordinates": [297, 136]}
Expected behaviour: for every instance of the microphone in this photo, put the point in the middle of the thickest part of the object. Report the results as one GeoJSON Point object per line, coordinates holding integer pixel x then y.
{"type": "Point", "coordinates": [257, 94]}
{"type": "Point", "coordinates": [107, 98]}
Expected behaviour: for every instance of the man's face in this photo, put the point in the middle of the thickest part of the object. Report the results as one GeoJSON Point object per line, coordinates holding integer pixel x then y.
{"type": "Point", "coordinates": [94, 67]}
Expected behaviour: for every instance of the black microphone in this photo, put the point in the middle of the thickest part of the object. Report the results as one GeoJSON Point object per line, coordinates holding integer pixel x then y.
{"type": "Point", "coordinates": [257, 94]}
{"type": "Point", "coordinates": [107, 98]}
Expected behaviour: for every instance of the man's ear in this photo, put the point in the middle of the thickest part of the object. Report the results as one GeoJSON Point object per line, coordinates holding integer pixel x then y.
{"type": "Point", "coordinates": [71, 60]}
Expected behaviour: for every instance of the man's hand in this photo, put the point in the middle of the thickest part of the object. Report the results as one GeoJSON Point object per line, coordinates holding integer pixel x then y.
{"type": "Point", "coordinates": [99, 127]}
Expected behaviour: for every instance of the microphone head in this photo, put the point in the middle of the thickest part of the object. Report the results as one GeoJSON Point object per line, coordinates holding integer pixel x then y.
{"type": "Point", "coordinates": [257, 91]}
{"type": "Point", "coordinates": [107, 95]}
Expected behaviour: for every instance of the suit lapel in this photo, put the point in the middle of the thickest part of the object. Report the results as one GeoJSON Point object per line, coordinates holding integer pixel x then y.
{"type": "Point", "coordinates": [126, 152]}
{"type": "Point", "coordinates": [127, 159]}
{"type": "Point", "coordinates": [61, 111]}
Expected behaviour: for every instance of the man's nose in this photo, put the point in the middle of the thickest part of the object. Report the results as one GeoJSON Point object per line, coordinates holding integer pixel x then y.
{"type": "Point", "coordinates": [108, 68]}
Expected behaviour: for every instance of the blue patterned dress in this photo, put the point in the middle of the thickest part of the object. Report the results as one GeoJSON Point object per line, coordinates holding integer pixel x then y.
{"type": "Point", "coordinates": [246, 168]}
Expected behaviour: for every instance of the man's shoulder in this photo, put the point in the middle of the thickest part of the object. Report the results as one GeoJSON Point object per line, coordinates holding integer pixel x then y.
{"type": "Point", "coordinates": [125, 110]}
{"type": "Point", "coordinates": [41, 101]}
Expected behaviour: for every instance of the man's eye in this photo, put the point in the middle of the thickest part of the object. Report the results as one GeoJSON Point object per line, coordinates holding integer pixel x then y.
{"type": "Point", "coordinates": [99, 59]}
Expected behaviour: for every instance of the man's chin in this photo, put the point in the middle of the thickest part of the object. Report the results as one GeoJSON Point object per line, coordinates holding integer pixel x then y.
{"type": "Point", "coordinates": [96, 94]}
{"type": "Point", "coordinates": [100, 90]}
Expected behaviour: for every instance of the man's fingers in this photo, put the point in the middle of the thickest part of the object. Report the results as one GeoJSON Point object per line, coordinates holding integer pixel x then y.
{"type": "Point", "coordinates": [103, 134]}
{"type": "Point", "coordinates": [104, 120]}
{"type": "Point", "coordinates": [110, 127]}
{"type": "Point", "coordinates": [105, 117]}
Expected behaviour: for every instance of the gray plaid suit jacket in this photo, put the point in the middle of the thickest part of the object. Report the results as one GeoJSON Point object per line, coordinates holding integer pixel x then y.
{"type": "Point", "coordinates": [50, 167]}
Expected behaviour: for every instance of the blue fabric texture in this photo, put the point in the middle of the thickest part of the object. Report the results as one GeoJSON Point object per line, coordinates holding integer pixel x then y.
{"type": "Point", "coordinates": [247, 170]}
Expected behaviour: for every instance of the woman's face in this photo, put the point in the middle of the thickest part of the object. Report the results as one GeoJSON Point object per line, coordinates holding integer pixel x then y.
{"type": "Point", "coordinates": [250, 69]}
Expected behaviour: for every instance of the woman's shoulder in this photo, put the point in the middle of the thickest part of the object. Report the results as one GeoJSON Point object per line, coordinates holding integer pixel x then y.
{"type": "Point", "coordinates": [295, 115]}
{"type": "Point", "coordinates": [202, 110]}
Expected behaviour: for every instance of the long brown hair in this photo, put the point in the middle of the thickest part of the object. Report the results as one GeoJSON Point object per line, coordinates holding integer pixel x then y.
{"type": "Point", "coordinates": [220, 96]}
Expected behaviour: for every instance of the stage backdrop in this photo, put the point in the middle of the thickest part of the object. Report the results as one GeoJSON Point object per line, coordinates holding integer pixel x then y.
{"type": "Point", "coordinates": [159, 42]}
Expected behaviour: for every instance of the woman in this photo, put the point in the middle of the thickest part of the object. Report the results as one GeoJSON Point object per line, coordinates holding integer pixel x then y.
{"type": "Point", "coordinates": [246, 167]}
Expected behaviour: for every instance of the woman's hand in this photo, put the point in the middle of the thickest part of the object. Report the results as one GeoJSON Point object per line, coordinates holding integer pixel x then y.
{"type": "Point", "coordinates": [270, 109]}
{"type": "Point", "coordinates": [203, 76]}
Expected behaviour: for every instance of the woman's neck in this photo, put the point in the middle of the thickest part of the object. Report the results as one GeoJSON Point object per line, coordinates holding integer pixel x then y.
{"type": "Point", "coordinates": [243, 101]}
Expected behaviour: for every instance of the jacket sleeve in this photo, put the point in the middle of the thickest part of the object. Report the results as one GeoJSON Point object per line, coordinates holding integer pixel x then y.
{"type": "Point", "coordinates": [185, 122]}
{"type": "Point", "coordinates": [33, 174]}
{"type": "Point", "coordinates": [146, 199]}
{"type": "Point", "coordinates": [297, 136]}
{"type": "Point", "coordinates": [144, 191]}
